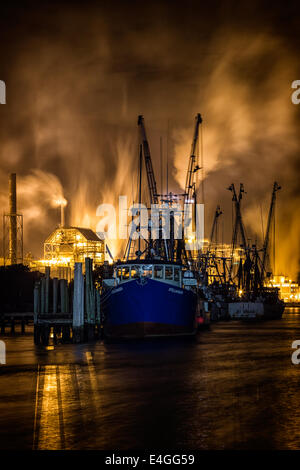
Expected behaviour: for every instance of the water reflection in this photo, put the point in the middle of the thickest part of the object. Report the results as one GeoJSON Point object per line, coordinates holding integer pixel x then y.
{"type": "Point", "coordinates": [67, 401]}
{"type": "Point", "coordinates": [233, 388]}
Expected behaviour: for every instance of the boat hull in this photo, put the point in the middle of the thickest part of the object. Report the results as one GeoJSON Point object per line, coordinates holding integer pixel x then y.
{"type": "Point", "coordinates": [146, 307]}
{"type": "Point", "coordinates": [255, 310]}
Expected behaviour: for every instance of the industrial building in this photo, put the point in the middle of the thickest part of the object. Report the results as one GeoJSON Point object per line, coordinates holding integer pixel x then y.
{"type": "Point", "coordinates": [68, 245]}
{"type": "Point", "coordinates": [289, 290]}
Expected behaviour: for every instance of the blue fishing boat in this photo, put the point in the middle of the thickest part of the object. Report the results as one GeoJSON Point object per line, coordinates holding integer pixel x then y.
{"type": "Point", "coordinates": [147, 298]}
{"type": "Point", "coordinates": [153, 291]}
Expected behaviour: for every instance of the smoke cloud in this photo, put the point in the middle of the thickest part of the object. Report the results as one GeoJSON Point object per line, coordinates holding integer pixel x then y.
{"type": "Point", "coordinates": [77, 78]}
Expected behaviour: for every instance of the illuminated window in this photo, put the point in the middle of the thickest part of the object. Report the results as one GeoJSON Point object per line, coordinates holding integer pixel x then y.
{"type": "Point", "coordinates": [147, 271]}
{"type": "Point", "coordinates": [158, 272]}
{"type": "Point", "coordinates": [169, 273]}
{"type": "Point", "coordinates": [176, 274]}
{"type": "Point", "coordinates": [125, 272]}
{"type": "Point", "coordinates": [134, 272]}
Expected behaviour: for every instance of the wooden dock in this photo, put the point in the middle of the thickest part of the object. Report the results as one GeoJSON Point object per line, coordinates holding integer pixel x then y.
{"type": "Point", "coordinates": [63, 311]}
{"type": "Point", "coordinates": [68, 311]}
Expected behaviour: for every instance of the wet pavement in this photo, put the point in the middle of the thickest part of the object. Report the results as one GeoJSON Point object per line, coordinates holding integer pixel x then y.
{"type": "Point", "coordinates": [233, 387]}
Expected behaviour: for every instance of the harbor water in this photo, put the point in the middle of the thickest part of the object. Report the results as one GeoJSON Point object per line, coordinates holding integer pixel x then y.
{"type": "Point", "coordinates": [233, 387]}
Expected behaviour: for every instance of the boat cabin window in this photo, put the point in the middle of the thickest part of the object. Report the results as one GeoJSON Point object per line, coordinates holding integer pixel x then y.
{"type": "Point", "coordinates": [134, 272]}
{"type": "Point", "coordinates": [119, 273]}
{"type": "Point", "coordinates": [126, 272]}
{"type": "Point", "coordinates": [158, 272]}
{"type": "Point", "coordinates": [147, 271]}
{"type": "Point", "coordinates": [169, 273]}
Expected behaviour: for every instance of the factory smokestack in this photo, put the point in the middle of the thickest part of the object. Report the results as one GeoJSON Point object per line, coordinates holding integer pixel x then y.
{"type": "Point", "coordinates": [62, 214]}
{"type": "Point", "coordinates": [61, 202]}
{"type": "Point", "coordinates": [13, 218]}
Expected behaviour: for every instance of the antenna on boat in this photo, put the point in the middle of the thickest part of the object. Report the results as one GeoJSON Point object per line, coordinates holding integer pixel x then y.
{"type": "Point", "coordinates": [202, 164]}
{"type": "Point", "coordinates": [140, 196]}
{"type": "Point", "coordinates": [161, 165]}
{"type": "Point", "coordinates": [168, 156]}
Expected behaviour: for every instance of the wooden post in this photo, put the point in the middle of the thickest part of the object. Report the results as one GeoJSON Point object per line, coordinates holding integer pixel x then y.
{"type": "Point", "coordinates": [36, 297]}
{"type": "Point", "coordinates": [67, 306]}
{"type": "Point", "coordinates": [87, 289]}
{"type": "Point", "coordinates": [65, 301]}
{"type": "Point", "coordinates": [43, 286]}
{"type": "Point", "coordinates": [36, 309]}
{"type": "Point", "coordinates": [93, 303]}
{"type": "Point", "coordinates": [78, 304]}
{"type": "Point", "coordinates": [98, 318]}
{"type": "Point", "coordinates": [62, 296]}
{"type": "Point", "coordinates": [47, 281]}
{"type": "Point", "coordinates": [98, 314]}
{"type": "Point", "coordinates": [89, 298]}
{"type": "Point", "coordinates": [55, 286]}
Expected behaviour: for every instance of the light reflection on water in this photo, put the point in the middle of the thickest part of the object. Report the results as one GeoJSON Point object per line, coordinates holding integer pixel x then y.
{"type": "Point", "coordinates": [234, 387]}
{"type": "Point", "coordinates": [49, 414]}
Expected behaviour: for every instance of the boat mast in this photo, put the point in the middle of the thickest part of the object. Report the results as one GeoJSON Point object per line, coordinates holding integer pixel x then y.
{"type": "Point", "coordinates": [190, 190]}
{"type": "Point", "coordinates": [192, 168]}
{"type": "Point", "coordinates": [148, 162]}
{"type": "Point", "coordinates": [271, 218]}
{"type": "Point", "coordinates": [140, 198]}
{"type": "Point", "coordinates": [238, 225]}
{"type": "Point", "coordinates": [214, 230]}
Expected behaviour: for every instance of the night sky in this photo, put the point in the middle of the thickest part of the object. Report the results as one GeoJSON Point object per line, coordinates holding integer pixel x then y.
{"type": "Point", "coordinates": [78, 75]}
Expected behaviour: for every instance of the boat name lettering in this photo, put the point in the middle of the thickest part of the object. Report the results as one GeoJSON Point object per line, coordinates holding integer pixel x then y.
{"type": "Point", "coordinates": [175, 291]}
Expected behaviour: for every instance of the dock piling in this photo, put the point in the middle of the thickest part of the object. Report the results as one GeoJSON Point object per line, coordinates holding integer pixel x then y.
{"type": "Point", "coordinates": [78, 304]}
{"type": "Point", "coordinates": [55, 287]}
{"type": "Point", "coordinates": [47, 282]}
{"type": "Point", "coordinates": [73, 309]}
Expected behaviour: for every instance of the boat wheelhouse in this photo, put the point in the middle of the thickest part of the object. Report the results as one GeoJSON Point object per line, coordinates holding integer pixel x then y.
{"type": "Point", "coordinates": [169, 273]}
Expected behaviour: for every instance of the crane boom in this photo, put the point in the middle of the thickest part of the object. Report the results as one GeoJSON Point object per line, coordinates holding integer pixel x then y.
{"type": "Point", "coordinates": [148, 162]}
{"type": "Point", "coordinates": [214, 226]}
{"type": "Point", "coordinates": [238, 216]}
{"type": "Point", "coordinates": [266, 245]}
{"type": "Point", "coordinates": [192, 167]}
{"type": "Point", "coordinates": [238, 225]}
